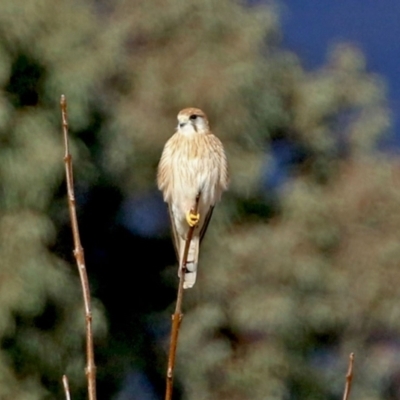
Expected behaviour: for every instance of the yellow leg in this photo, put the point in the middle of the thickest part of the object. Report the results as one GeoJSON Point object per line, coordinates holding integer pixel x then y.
{"type": "Point", "coordinates": [192, 219]}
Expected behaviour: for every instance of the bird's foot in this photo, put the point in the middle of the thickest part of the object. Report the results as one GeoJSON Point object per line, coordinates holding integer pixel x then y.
{"type": "Point", "coordinates": [192, 218]}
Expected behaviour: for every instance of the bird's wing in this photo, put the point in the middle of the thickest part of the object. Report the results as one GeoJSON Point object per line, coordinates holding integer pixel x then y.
{"type": "Point", "coordinates": [175, 236]}
{"type": "Point", "coordinates": [206, 222]}
{"type": "Point", "coordinates": [165, 169]}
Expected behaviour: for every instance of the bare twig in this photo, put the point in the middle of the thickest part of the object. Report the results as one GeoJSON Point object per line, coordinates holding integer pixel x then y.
{"type": "Point", "coordinates": [66, 387]}
{"type": "Point", "coordinates": [349, 378]}
{"type": "Point", "coordinates": [177, 316]}
{"type": "Point", "coordinates": [79, 256]}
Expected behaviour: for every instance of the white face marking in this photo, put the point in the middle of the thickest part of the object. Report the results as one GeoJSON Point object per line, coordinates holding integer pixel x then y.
{"type": "Point", "coordinates": [186, 128]}
{"type": "Point", "coordinates": [190, 126]}
{"type": "Point", "coordinates": [201, 124]}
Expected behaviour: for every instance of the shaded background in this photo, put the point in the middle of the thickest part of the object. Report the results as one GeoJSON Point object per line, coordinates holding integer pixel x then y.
{"type": "Point", "coordinates": [311, 27]}
{"type": "Point", "coordinates": [300, 264]}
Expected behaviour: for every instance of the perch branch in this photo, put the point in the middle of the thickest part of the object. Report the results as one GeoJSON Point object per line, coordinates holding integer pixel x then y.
{"type": "Point", "coordinates": [177, 316]}
{"type": "Point", "coordinates": [66, 387]}
{"type": "Point", "coordinates": [349, 378]}
{"type": "Point", "coordinates": [79, 256]}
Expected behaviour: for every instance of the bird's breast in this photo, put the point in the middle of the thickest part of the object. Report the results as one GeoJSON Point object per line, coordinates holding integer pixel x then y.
{"type": "Point", "coordinates": [196, 170]}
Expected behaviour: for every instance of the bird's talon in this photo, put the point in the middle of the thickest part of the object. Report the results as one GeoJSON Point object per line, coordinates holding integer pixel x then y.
{"type": "Point", "coordinates": [192, 219]}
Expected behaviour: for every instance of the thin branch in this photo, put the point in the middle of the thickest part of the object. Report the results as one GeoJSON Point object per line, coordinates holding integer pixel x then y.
{"type": "Point", "coordinates": [66, 387]}
{"type": "Point", "coordinates": [177, 316]}
{"type": "Point", "coordinates": [349, 378]}
{"type": "Point", "coordinates": [79, 256]}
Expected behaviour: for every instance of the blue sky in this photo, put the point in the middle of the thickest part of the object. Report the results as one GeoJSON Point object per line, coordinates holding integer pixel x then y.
{"type": "Point", "coordinates": [310, 27]}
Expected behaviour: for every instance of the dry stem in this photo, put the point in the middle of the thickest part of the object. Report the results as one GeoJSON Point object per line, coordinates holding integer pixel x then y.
{"type": "Point", "coordinates": [79, 256]}
{"type": "Point", "coordinates": [349, 378]}
{"type": "Point", "coordinates": [66, 387]}
{"type": "Point", "coordinates": [177, 316]}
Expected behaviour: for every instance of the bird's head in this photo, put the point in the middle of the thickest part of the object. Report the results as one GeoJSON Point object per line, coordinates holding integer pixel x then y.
{"type": "Point", "coordinates": [192, 120]}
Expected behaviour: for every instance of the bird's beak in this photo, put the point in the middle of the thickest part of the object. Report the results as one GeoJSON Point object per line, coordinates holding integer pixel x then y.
{"type": "Point", "coordinates": [182, 124]}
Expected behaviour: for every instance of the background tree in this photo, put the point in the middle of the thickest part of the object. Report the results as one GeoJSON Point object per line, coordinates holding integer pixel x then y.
{"type": "Point", "coordinates": [299, 267]}
{"type": "Point", "coordinates": [42, 328]}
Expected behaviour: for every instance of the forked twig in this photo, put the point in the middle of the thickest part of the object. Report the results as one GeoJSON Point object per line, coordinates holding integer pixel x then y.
{"type": "Point", "coordinates": [79, 256]}
{"type": "Point", "coordinates": [66, 387]}
{"type": "Point", "coordinates": [177, 316]}
{"type": "Point", "coordinates": [349, 378]}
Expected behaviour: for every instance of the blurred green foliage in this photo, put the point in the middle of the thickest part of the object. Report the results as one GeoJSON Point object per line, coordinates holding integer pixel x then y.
{"type": "Point", "coordinates": [289, 284]}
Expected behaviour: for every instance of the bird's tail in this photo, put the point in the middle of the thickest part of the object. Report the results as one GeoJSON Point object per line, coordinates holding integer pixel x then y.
{"type": "Point", "coordinates": [192, 261]}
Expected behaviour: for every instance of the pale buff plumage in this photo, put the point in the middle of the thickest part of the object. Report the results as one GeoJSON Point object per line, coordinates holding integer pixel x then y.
{"type": "Point", "coordinates": [193, 162]}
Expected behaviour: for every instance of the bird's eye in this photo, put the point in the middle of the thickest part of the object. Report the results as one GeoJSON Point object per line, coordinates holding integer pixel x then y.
{"type": "Point", "coordinates": [193, 117]}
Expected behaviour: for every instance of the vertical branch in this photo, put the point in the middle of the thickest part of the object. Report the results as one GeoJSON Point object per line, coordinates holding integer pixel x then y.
{"type": "Point", "coordinates": [349, 378]}
{"type": "Point", "coordinates": [79, 256]}
{"type": "Point", "coordinates": [177, 316]}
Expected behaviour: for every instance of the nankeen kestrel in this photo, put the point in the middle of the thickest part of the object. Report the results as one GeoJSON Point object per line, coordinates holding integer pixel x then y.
{"type": "Point", "coordinates": [193, 163]}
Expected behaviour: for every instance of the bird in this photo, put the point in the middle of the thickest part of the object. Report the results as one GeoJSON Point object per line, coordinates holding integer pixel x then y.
{"type": "Point", "coordinates": [193, 169]}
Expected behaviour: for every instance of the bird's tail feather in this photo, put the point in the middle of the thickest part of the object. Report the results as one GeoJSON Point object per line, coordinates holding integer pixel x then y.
{"type": "Point", "coordinates": [192, 261]}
